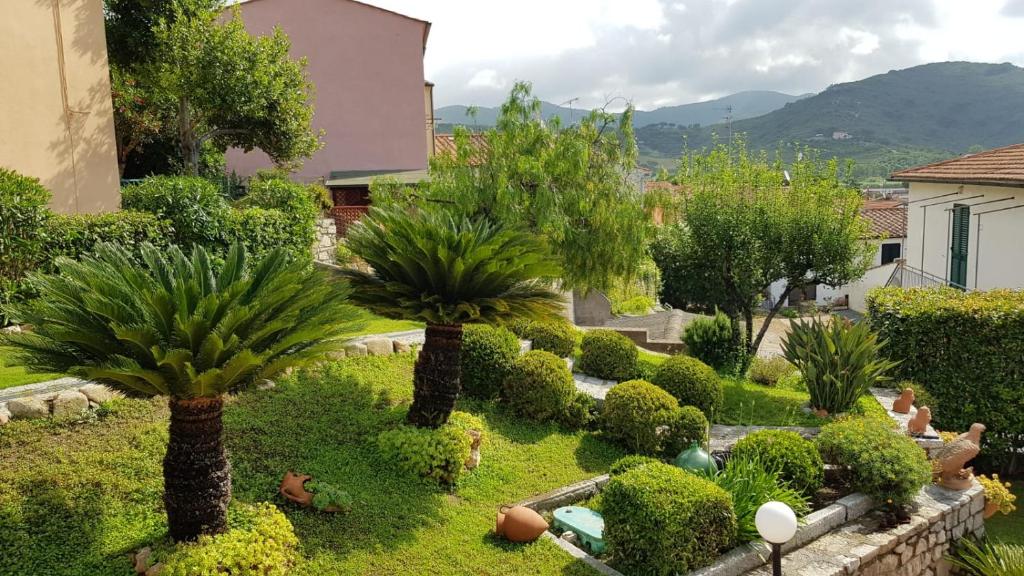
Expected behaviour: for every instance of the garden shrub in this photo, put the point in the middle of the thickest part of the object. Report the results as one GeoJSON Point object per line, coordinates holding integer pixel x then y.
{"type": "Point", "coordinates": [692, 383]}
{"type": "Point", "coordinates": [966, 349]}
{"type": "Point", "coordinates": [580, 413]}
{"type": "Point", "coordinates": [77, 235]}
{"type": "Point", "coordinates": [539, 387]}
{"type": "Point", "coordinates": [192, 204]}
{"type": "Point", "coordinates": [686, 426]}
{"type": "Point", "coordinates": [768, 371]}
{"type": "Point", "coordinates": [713, 341]}
{"type": "Point", "coordinates": [519, 326]}
{"type": "Point", "coordinates": [435, 453]}
{"type": "Point", "coordinates": [661, 520]}
{"type": "Point", "coordinates": [295, 201]}
{"type": "Point", "coordinates": [633, 411]}
{"type": "Point", "coordinates": [795, 459]}
{"type": "Point", "coordinates": [260, 541]}
{"type": "Point", "coordinates": [559, 337]}
{"type": "Point", "coordinates": [343, 255]}
{"type": "Point", "coordinates": [839, 361]}
{"type": "Point", "coordinates": [608, 355]}
{"type": "Point", "coordinates": [636, 306]}
{"type": "Point", "coordinates": [880, 461]}
{"type": "Point", "coordinates": [488, 353]}
{"type": "Point", "coordinates": [627, 463]}
{"type": "Point", "coordinates": [261, 230]}
{"type": "Point", "coordinates": [23, 225]}
{"type": "Point", "coordinates": [752, 483]}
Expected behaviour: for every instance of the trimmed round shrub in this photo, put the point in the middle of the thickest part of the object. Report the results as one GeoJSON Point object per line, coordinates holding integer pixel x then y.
{"type": "Point", "coordinates": [194, 206]}
{"type": "Point", "coordinates": [608, 355]}
{"type": "Point", "coordinates": [633, 411]}
{"type": "Point", "coordinates": [580, 413]}
{"type": "Point", "coordinates": [768, 371]}
{"type": "Point", "coordinates": [487, 357]}
{"type": "Point", "coordinates": [260, 541]}
{"type": "Point", "coordinates": [795, 459]}
{"type": "Point", "coordinates": [692, 383]}
{"type": "Point", "coordinates": [627, 463]}
{"type": "Point", "coordinates": [880, 461]}
{"type": "Point", "coordinates": [686, 426]}
{"type": "Point", "coordinates": [661, 520]}
{"type": "Point", "coordinates": [439, 454]}
{"type": "Point", "coordinates": [539, 387]}
{"type": "Point", "coordinates": [711, 339]}
{"type": "Point", "coordinates": [519, 326]}
{"type": "Point", "coordinates": [559, 338]}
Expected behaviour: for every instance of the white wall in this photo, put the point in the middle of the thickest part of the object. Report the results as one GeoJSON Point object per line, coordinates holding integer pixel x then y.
{"type": "Point", "coordinates": [996, 262]}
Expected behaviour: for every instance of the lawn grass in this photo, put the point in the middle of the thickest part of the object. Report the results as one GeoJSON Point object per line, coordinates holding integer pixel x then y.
{"type": "Point", "coordinates": [1009, 528]}
{"type": "Point", "coordinates": [11, 376]}
{"type": "Point", "coordinates": [75, 499]}
{"type": "Point", "coordinates": [373, 324]}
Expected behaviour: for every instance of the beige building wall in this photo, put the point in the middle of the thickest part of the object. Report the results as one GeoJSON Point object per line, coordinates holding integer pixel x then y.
{"type": "Point", "coordinates": [995, 250]}
{"type": "Point", "coordinates": [56, 117]}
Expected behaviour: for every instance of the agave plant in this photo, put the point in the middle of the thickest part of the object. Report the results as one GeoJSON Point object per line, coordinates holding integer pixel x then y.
{"type": "Point", "coordinates": [430, 266]}
{"type": "Point", "coordinates": [173, 327]}
{"type": "Point", "coordinates": [988, 558]}
{"type": "Point", "coordinates": [839, 361]}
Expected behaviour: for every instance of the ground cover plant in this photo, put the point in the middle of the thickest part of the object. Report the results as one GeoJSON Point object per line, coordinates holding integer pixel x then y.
{"type": "Point", "coordinates": [75, 499]}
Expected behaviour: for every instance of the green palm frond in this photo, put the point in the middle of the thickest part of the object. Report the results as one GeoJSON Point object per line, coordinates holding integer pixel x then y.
{"type": "Point", "coordinates": [174, 325]}
{"type": "Point", "coordinates": [429, 266]}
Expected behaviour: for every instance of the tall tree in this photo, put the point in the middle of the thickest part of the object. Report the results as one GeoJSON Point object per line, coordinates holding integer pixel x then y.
{"type": "Point", "coordinates": [747, 221]}
{"type": "Point", "coordinates": [567, 184]}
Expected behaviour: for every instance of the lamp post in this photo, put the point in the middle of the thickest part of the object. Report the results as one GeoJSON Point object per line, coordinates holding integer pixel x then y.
{"type": "Point", "coordinates": [776, 523]}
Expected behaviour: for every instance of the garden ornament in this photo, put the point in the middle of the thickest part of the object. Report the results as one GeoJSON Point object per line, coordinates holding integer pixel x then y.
{"type": "Point", "coordinates": [919, 423]}
{"type": "Point", "coordinates": [776, 523]}
{"type": "Point", "coordinates": [695, 459]}
{"type": "Point", "coordinates": [519, 524]}
{"type": "Point", "coordinates": [905, 402]}
{"type": "Point", "coordinates": [952, 458]}
{"type": "Point", "coordinates": [293, 487]}
{"type": "Point", "coordinates": [474, 450]}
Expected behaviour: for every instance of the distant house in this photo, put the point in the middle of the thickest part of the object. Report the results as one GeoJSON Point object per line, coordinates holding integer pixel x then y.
{"type": "Point", "coordinates": [841, 135]}
{"type": "Point", "coordinates": [966, 221]}
{"type": "Point", "coordinates": [372, 99]}
{"type": "Point", "coordinates": [56, 116]}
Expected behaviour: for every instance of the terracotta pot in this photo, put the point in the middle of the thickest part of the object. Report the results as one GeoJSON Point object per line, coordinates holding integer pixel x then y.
{"type": "Point", "coordinates": [821, 413]}
{"type": "Point", "coordinates": [293, 487]}
{"type": "Point", "coordinates": [990, 509]}
{"type": "Point", "coordinates": [519, 524]}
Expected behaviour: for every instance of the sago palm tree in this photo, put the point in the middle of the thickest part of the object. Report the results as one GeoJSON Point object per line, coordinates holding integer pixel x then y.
{"type": "Point", "coordinates": [173, 327]}
{"type": "Point", "coordinates": [447, 271]}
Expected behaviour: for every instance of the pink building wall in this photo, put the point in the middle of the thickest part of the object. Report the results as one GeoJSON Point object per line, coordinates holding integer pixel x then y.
{"type": "Point", "coordinates": [367, 65]}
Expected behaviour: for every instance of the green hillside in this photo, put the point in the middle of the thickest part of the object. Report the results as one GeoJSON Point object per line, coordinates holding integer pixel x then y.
{"type": "Point", "coordinates": [897, 119]}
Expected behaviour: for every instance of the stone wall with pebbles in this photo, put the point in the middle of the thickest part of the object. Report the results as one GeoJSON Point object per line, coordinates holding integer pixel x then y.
{"type": "Point", "coordinates": [67, 404]}
{"type": "Point", "coordinates": [326, 240]}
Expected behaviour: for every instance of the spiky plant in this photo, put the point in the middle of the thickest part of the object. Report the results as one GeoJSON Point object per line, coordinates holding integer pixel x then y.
{"type": "Point", "coordinates": [430, 266]}
{"type": "Point", "coordinates": [988, 558]}
{"type": "Point", "coordinates": [173, 327]}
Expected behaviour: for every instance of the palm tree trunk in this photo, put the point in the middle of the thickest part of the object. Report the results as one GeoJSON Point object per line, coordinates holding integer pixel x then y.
{"type": "Point", "coordinates": [436, 378]}
{"type": "Point", "coordinates": [197, 475]}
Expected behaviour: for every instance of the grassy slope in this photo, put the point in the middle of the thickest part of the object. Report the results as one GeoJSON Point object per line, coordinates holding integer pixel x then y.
{"type": "Point", "coordinates": [11, 376]}
{"type": "Point", "coordinates": [75, 499]}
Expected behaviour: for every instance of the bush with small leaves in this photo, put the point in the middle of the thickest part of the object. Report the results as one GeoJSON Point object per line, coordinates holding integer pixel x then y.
{"type": "Point", "coordinates": [435, 453]}
{"type": "Point", "coordinates": [632, 413]}
{"type": "Point", "coordinates": [580, 413]}
{"type": "Point", "coordinates": [627, 463]}
{"type": "Point", "coordinates": [692, 383]}
{"type": "Point", "coordinates": [194, 206]}
{"type": "Point", "coordinates": [23, 221]}
{"type": "Point", "coordinates": [608, 355]}
{"type": "Point", "coordinates": [797, 460]}
{"type": "Point", "coordinates": [488, 353]}
{"type": "Point", "coordinates": [686, 426]}
{"type": "Point", "coordinates": [879, 460]}
{"type": "Point", "coordinates": [711, 339]}
{"type": "Point", "coordinates": [661, 520]}
{"type": "Point", "coordinates": [539, 387]}
{"type": "Point", "coordinates": [768, 371]}
{"type": "Point", "coordinates": [559, 338]}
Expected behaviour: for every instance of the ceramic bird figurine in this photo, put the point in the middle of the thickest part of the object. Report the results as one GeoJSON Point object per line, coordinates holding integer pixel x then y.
{"type": "Point", "coordinates": [919, 423]}
{"type": "Point", "coordinates": [952, 458]}
{"type": "Point", "coordinates": [905, 402]}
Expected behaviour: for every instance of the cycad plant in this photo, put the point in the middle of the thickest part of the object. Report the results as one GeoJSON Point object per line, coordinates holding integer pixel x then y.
{"type": "Point", "coordinates": [174, 327]}
{"type": "Point", "coordinates": [988, 558]}
{"type": "Point", "coordinates": [447, 271]}
{"type": "Point", "coordinates": [839, 361]}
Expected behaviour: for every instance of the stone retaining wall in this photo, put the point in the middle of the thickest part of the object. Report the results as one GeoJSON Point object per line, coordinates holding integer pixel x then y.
{"type": "Point", "coordinates": [326, 240]}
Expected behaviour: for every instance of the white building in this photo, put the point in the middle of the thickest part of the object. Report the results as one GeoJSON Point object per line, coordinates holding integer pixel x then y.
{"type": "Point", "coordinates": [965, 222]}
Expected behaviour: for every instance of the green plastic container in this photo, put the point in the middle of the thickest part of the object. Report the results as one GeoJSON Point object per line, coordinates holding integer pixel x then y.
{"type": "Point", "coordinates": [695, 459]}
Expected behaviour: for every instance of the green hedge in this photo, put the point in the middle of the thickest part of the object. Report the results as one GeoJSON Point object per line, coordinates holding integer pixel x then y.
{"type": "Point", "coordinates": [967, 349]}
{"type": "Point", "coordinates": [23, 220]}
{"type": "Point", "coordinates": [558, 337]}
{"type": "Point", "coordinates": [194, 206]}
{"type": "Point", "coordinates": [297, 202]}
{"type": "Point", "coordinates": [795, 459]}
{"type": "Point", "coordinates": [661, 520]}
{"type": "Point", "coordinates": [692, 383]}
{"type": "Point", "coordinates": [74, 236]}
{"type": "Point", "coordinates": [539, 386]}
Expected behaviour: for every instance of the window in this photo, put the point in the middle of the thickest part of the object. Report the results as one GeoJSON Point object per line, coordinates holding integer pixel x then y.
{"type": "Point", "coordinates": [890, 252]}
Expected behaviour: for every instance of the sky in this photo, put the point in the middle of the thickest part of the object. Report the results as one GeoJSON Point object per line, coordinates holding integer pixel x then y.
{"type": "Point", "coordinates": [663, 52]}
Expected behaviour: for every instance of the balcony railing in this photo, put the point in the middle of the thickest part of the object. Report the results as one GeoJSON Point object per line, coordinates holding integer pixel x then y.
{"type": "Point", "coordinates": [905, 276]}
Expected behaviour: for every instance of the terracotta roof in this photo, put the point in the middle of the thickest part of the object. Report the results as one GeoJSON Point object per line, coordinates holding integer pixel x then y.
{"type": "Point", "coordinates": [999, 166]}
{"type": "Point", "coordinates": [886, 219]}
{"type": "Point", "coordinates": [445, 144]}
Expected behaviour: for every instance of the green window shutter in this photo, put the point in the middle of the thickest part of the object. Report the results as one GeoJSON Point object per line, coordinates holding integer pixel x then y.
{"type": "Point", "coordinates": [958, 245]}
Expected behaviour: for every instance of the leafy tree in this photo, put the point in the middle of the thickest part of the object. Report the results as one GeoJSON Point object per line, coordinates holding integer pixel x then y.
{"type": "Point", "coordinates": [743, 226]}
{"type": "Point", "coordinates": [568, 185]}
{"type": "Point", "coordinates": [447, 271]}
{"type": "Point", "coordinates": [172, 327]}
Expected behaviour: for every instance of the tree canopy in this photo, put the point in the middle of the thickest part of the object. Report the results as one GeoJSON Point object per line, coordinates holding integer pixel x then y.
{"type": "Point", "coordinates": [567, 184]}
{"type": "Point", "coordinates": [747, 220]}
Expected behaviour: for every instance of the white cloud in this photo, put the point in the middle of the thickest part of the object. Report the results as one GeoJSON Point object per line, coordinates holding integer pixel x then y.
{"type": "Point", "coordinates": [487, 78]}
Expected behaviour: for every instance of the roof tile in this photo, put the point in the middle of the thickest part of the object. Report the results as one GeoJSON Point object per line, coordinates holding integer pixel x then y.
{"type": "Point", "coordinates": [999, 166]}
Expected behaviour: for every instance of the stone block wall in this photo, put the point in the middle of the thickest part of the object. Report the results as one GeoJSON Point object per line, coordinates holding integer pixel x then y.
{"type": "Point", "coordinates": [326, 240]}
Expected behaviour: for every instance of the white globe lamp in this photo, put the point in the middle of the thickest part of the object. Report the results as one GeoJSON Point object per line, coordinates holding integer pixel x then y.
{"type": "Point", "coordinates": [776, 523]}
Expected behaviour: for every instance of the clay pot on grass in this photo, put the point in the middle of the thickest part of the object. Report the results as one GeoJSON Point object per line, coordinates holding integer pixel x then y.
{"type": "Point", "coordinates": [519, 524]}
